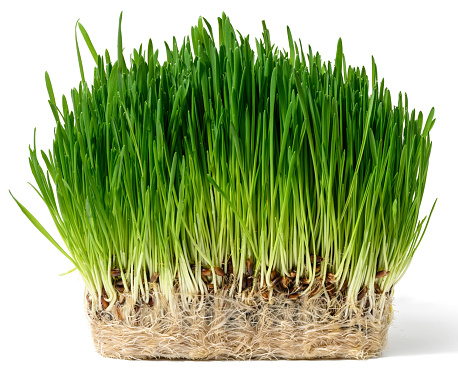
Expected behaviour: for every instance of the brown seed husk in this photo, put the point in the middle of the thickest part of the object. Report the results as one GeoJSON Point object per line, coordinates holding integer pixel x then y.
{"type": "Point", "coordinates": [222, 326]}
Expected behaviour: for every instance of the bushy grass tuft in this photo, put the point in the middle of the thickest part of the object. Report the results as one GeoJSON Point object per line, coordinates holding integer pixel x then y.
{"type": "Point", "coordinates": [223, 154]}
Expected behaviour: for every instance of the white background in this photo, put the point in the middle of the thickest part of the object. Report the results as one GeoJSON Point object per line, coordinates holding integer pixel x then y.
{"type": "Point", "coordinates": [43, 326]}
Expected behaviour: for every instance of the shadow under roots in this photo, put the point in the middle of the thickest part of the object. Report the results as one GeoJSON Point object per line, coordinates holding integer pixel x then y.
{"type": "Point", "coordinates": [421, 329]}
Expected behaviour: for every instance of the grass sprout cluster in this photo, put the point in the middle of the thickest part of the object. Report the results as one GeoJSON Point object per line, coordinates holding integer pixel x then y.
{"type": "Point", "coordinates": [222, 152]}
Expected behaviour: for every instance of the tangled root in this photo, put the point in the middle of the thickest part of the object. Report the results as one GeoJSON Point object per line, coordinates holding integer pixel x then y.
{"type": "Point", "coordinates": [246, 326]}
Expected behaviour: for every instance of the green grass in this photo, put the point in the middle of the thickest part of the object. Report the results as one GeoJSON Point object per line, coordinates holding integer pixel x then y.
{"type": "Point", "coordinates": [225, 151]}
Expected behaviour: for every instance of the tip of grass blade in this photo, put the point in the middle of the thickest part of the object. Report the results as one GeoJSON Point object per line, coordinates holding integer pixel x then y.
{"type": "Point", "coordinates": [68, 272]}
{"type": "Point", "coordinates": [88, 42]}
{"type": "Point", "coordinates": [40, 228]}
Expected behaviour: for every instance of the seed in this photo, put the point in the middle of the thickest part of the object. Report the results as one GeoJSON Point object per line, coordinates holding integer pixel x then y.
{"type": "Point", "coordinates": [285, 281]}
{"type": "Point", "coordinates": [210, 286]}
{"type": "Point", "coordinates": [104, 303]}
{"type": "Point", "coordinates": [362, 293]}
{"type": "Point", "coordinates": [316, 289]}
{"type": "Point", "coordinates": [318, 258]}
{"type": "Point", "coordinates": [276, 280]}
{"type": "Point", "coordinates": [154, 277]}
{"type": "Point", "coordinates": [119, 283]}
{"type": "Point", "coordinates": [230, 268]}
{"type": "Point", "coordinates": [330, 277]}
{"type": "Point", "coordinates": [294, 296]}
{"type": "Point", "coordinates": [249, 281]}
{"type": "Point", "coordinates": [305, 281]}
{"type": "Point", "coordinates": [150, 301]}
{"type": "Point", "coordinates": [344, 286]}
{"type": "Point", "coordinates": [244, 285]}
{"type": "Point", "coordinates": [381, 274]}
{"type": "Point", "coordinates": [120, 288]}
{"type": "Point", "coordinates": [115, 272]}
{"type": "Point", "coordinates": [265, 295]}
{"type": "Point", "coordinates": [273, 274]}
{"type": "Point", "coordinates": [206, 272]}
{"type": "Point", "coordinates": [368, 304]}
{"type": "Point", "coordinates": [219, 271]}
{"type": "Point", "coordinates": [330, 288]}
{"type": "Point", "coordinates": [118, 310]}
{"type": "Point", "coordinates": [293, 273]}
{"type": "Point", "coordinates": [249, 267]}
{"type": "Point", "coordinates": [377, 288]}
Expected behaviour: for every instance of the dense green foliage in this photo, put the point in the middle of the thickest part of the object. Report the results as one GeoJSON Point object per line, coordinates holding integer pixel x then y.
{"type": "Point", "coordinates": [222, 151]}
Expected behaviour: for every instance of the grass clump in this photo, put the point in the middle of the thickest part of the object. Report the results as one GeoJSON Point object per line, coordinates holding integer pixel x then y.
{"type": "Point", "coordinates": [271, 169]}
